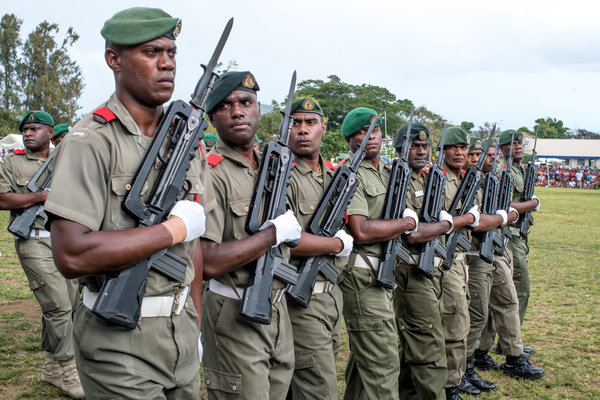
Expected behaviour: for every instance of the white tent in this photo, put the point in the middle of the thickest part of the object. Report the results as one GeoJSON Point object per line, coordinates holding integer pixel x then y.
{"type": "Point", "coordinates": [11, 141]}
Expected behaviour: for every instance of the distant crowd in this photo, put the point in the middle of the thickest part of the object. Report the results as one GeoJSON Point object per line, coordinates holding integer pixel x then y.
{"type": "Point", "coordinates": [574, 178]}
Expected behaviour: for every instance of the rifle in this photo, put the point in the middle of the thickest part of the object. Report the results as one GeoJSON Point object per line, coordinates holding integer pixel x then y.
{"type": "Point", "coordinates": [326, 221]}
{"type": "Point", "coordinates": [465, 198]}
{"type": "Point", "coordinates": [530, 177]}
{"type": "Point", "coordinates": [433, 202]}
{"type": "Point", "coordinates": [22, 225]}
{"type": "Point", "coordinates": [505, 197]}
{"type": "Point", "coordinates": [268, 202]}
{"type": "Point", "coordinates": [179, 132]}
{"type": "Point", "coordinates": [489, 206]}
{"type": "Point", "coordinates": [393, 207]}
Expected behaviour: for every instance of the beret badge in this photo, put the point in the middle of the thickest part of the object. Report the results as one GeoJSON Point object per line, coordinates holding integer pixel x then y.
{"type": "Point", "coordinates": [308, 105]}
{"type": "Point", "coordinates": [177, 29]}
{"type": "Point", "coordinates": [249, 81]}
{"type": "Point", "coordinates": [422, 135]}
{"type": "Point", "coordinates": [31, 117]}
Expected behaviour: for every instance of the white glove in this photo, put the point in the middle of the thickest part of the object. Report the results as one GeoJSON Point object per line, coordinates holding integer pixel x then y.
{"type": "Point", "coordinates": [348, 242]}
{"type": "Point", "coordinates": [475, 212]}
{"type": "Point", "coordinates": [511, 209]}
{"type": "Point", "coordinates": [410, 213]}
{"type": "Point", "coordinates": [192, 215]}
{"type": "Point", "coordinates": [445, 216]}
{"type": "Point", "coordinates": [200, 350]}
{"type": "Point", "coordinates": [287, 227]}
{"type": "Point", "coordinates": [504, 216]}
{"type": "Point", "coordinates": [539, 202]}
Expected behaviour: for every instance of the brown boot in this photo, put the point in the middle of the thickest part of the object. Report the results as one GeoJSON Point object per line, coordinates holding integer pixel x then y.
{"type": "Point", "coordinates": [71, 385]}
{"type": "Point", "coordinates": [51, 372]}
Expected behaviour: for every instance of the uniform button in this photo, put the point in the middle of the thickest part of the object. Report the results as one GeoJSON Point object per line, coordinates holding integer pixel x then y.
{"type": "Point", "coordinates": [402, 328]}
{"type": "Point", "coordinates": [234, 387]}
{"type": "Point", "coordinates": [26, 181]}
{"type": "Point", "coordinates": [208, 381]}
{"type": "Point", "coordinates": [157, 166]}
{"type": "Point", "coordinates": [197, 187]}
{"type": "Point", "coordinates": [128, 187]}
{"type": "Point", "coordinates": [475, 294]}
{"type": "Point", "coordinates": [376, 326]}
{"type": "Point", "coordinates": [312, 207]}
{"type": "Point", "coordinates": [430, 326]}
{"type": "Point", "coordinates": [186, 305]}
{"type": "Point", "coordinates": [246, 209]}
{"type": "Point", "coordinates": [503, 282]}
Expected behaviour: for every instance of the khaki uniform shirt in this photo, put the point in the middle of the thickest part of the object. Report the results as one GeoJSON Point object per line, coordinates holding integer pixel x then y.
{"type": "Point", "coordinates": [16, 170]}
{"type": "Point", "coordinates": [369, 198]}
{"type": "Point", "coordinates": [95, 166]}
{"type": "Point", "coordinates": [304, 192]}
{"type": "Point", "coordinates": [233, 183]}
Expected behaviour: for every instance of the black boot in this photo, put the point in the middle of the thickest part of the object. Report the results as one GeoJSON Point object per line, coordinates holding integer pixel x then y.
{"type": "Point", "coordinates": [452, 394]}
{"type": "Point", "coordinates": [483, 361]}
{"type": "Point", "coordinates": [475, 379]}
{"type": "Point", "coordinates": [519, 367]}
{"type": "Point", "coordinates": [499, 349]}
{"type": "Point", "coordinates": [467, 388]}
{"type": "Point", "coordinates": [528, 350]}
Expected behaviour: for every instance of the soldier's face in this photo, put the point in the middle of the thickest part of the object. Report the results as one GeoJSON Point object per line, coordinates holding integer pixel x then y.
{"type": "Point", "coordinates": [56, 141]}
{"type": "Point", "coordinates": [236, 118]}
{"type": "Point", "coordinates": [36, 137]}
{"type": "Point", "coordinates": [517, 150]}
{"type": "Point", "coordinates": [146, 72]}
{"type": "Point", "coordinates": [489, 160]}
{"type": "Point", "coordinates": [456, 156]}
{"type": "Point", "coordinates": [473, 158]}
{"type": "Point", "coordinates": [417, 155]}
{"type": "Point", "coordinates": [307, 132]}
{"type": "Point", "coordinates": [373, 145]}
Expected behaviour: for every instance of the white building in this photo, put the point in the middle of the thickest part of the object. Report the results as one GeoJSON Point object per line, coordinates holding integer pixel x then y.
{"type": "Point", "coordinates": [573, 152]}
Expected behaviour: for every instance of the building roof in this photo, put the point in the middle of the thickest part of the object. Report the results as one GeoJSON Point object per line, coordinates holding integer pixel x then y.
{"type": "Point", "coordinates": [566, 148]}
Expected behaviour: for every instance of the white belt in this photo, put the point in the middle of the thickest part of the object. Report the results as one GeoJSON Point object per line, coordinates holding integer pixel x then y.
{"type": "Point", "coordinates": [460, 256]}
{"type": "Point", "coordinates": [322, 287]}
{"type": "Point", "coordinates": [414, 260]}
{"type": "Point", "coordinates": [472, 253]}
{"type": "Point", "coordinates": [360, 263]}
{"type": "Point", "coordinates": [38, 233]}
{"type": "Point", "coordinates": [152, 306]}
{"type": "Point", "coordinates": [227, 291]}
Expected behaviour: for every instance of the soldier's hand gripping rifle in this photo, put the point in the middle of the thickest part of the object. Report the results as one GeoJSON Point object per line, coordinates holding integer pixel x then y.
{"type": "Point", "coordinates": [393, 207]}
{"type": "Point", "coordinates": [326, 221]}
{"type": "Point", "coordinates": [504, 198]}
{"type": "Point", "coordinates": [530, 178]}
{"type": "Point", "coordinates": [23, 224]}
{"type": "Point", "coordinates": [169, 156]}
{"type": "Point", "coordinates": [268, 202]}
{"type": "Point", "coordinates": [462, 203]}
{"type": "Point", "coordinates": [489, 206]}
{"type": "Point", "coordinates": [433, 203]}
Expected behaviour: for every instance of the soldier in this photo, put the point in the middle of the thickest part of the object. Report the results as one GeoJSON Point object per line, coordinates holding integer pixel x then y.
{"type": "Point", "coordinates": [54, 293]}
{"type": "Point", "coordinates": [241, 357]}
{"type": "Point", "coordinates": [93, 236]}
{"type": "Point", "coordinates": [373, 366]}
{"type": "Point", "coordinates": [455, 318]}
{"type": "Point", "coordinates": [418, 300]}
{"type": "Point", "coordinates": [60, 131]}
{"type": "Point", "coordinates": [317, 328]}
{"type": "Point", "coordinates": [518, 244]}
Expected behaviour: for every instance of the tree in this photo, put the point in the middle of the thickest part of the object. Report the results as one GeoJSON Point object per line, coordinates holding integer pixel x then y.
{"type": "Point", "coordinates": [467, 126]}
{"type": "Point", "coordinates": [550, 128]}
{"type": "Point", "coordinates": [10, 107]}
{"type": "Point", "coordinates": [583, 134]}
{"type": "Point", "coordinates": [333, 143]}
{"type": "Point", "coordinates": [51, 81]}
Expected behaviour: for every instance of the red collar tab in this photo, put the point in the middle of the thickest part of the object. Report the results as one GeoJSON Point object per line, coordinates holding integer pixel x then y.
{"type": "Point", "coordinates": [105, 113]}
{"type": "Point", "coordinates": [19, 152]}
{"type": "Point", "coordinates": [464, 171]}
{"type": "Point", "coordinates": [330, 165]}
{"type": "Point", "coordinates": [294, 163]}
{"type": "Point", "coordinates": [444, 170]}
{"type": "Point", "coordinates": [506, 166]}
{"type": "Point", "coordinates": [213, 159]}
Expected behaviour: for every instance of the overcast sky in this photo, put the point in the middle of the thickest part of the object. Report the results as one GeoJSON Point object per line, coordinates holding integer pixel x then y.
{"type": "Point", "coordinates": [478, 61]}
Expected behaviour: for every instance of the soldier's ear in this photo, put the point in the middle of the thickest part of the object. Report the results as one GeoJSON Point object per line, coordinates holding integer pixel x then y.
{"type": "Point", "coordinates": [113, 59]}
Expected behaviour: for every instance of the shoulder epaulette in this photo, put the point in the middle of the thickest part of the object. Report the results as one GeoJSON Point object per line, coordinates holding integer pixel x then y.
{"type": "Point", "coordinates": [106, 114]}
{"type": "Point", "coordinates": [330, 165]}
{"type": "Point", "coordinates": [19, 152]}
{"type": "Point", "coordinates": [213, 159]}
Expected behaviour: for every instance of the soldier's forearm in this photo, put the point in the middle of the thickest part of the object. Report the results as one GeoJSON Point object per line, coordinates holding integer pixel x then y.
{"type": "Point", "coordinates": [18, 201]}
{"type": "Point", "coordinates": [312, 246]}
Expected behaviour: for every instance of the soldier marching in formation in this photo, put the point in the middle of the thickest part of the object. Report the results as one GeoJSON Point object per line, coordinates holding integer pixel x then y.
{"type": "Point", "coordinates": [421, 338]}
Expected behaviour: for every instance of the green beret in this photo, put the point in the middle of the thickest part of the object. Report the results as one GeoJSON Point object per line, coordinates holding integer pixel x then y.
{"type": "Point", "coordinates": [36, 117]}
{"type": "Point", "coordinates": [210, 139]}
{"type": "Point", "coordinates": [418, 131]}
{"type": "Point", "coordinates": [356, 120]}
{"type": "Point", "coordinates": [506, 136]}
{"type": "Point", "coordinates": [60, 129]}
{"type": "Point", "coordinates": [306, 105]}
{"type": "Point", "coordinates": [227, 83]}
{"type": "Point", "coordinates": [475, 143]}
{"type": "Point", "coordinates": [139, 25]}
{"type": "Point", "coordinates": [455, 135]}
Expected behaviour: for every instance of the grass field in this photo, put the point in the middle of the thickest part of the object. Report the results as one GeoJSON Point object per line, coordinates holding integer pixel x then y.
{"type": "Point", "coordinates": [562, 322]}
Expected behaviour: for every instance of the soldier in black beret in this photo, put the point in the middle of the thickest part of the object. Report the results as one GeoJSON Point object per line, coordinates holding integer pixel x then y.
{"type": "Point", "coordinates": [93, 236]}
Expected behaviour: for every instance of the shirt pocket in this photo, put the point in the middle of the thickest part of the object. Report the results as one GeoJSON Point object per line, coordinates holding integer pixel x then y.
{"type": "Point", "coordinates": [120, 185]}
{"type": "Point", "coordinates": [239, 213]}
{"type": "Point", "coordinates": [375, 190]}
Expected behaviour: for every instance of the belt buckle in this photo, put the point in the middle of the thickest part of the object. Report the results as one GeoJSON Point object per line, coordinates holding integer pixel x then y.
{"type": "Point", "coordinates": [278, 295]}
{"type": "Point", "coordinates": [179, 302]}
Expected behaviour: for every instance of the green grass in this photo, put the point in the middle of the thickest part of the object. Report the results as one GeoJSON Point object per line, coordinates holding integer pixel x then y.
{"type": "Point", "coordinates": [561, 324]}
